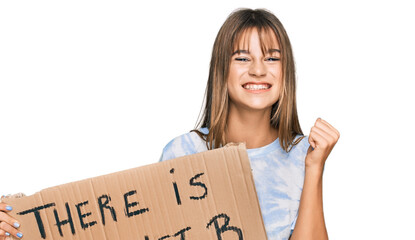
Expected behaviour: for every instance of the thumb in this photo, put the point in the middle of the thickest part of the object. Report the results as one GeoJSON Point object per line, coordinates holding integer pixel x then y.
{"type": "Point", "coordinates": [310, 149]}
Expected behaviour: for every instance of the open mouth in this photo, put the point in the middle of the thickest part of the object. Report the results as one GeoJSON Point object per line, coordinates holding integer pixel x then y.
{"type": "Point", "coordinates": [256, 86]}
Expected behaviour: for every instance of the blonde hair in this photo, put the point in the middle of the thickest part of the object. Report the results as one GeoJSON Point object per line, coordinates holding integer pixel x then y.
{"type": "Point", "coordinates": [215, 114]}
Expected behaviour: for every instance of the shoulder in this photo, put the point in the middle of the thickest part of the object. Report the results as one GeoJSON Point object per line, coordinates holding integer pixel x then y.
{"type": "Point", "coordinates": [185, 144]}
{"type": "Point", "coordinates": [301, 143]}
{"type": "Point", "coordinates": [298, 151]}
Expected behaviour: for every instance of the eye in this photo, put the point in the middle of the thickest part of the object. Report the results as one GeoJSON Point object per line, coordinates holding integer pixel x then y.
{"type": "Point", "coordinates": [242, 59]}
{"type": "Point", "coordinates": [272, 59]}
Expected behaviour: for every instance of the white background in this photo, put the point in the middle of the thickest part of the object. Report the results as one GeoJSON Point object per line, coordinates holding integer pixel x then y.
{"type": "Point", "coordinates": [92, 87]}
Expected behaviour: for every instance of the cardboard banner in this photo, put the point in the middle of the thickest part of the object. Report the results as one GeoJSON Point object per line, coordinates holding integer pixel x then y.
{"type": "Point", "coordinates": [209, 195]}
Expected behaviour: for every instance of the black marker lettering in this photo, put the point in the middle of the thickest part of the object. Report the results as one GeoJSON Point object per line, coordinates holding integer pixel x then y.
{"type": "Point", "coordinates": [63, 222]}
{"type": "Point", "coordinates": [38, 218]}
{"type": "Point", "coordinates": [128, 205]}
{"type": "Point", "coordinates": [82, 216]}
{"type": "Point", "coordinates": [200, 184]}
{"type": "Point", "coordinates": [164, 237]}
{"type": "Point", "coordinates": [176, 190]}
{"type": "Point", "coordinates": [103, 205]}
{"type": "Point", "coordinates": [224, 227]}
{"type": "Point", "coordinates": [181, 233]}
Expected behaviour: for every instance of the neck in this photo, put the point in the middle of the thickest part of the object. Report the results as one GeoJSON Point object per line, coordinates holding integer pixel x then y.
{"type": "Point", "coordinates": [252, 127]}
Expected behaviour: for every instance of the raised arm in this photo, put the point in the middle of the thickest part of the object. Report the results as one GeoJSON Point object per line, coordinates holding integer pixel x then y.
{"type": "Point", "coordinates": [310, 222]}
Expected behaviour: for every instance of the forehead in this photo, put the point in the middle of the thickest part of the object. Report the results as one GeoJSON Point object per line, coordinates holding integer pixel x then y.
{"type": "Point", "coordinates": [266, 37]}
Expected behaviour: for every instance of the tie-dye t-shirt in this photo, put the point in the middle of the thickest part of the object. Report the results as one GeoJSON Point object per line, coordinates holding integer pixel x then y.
{"type": "Point", "coordinates": [278, 177]}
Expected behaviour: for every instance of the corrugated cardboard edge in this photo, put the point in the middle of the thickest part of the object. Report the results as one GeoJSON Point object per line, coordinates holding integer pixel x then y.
{"type": "Point", "coordinates": [239, 147]}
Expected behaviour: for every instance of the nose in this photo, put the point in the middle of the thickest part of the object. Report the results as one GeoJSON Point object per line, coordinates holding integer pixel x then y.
{"type": "Point", "coordinates": [257, 69]}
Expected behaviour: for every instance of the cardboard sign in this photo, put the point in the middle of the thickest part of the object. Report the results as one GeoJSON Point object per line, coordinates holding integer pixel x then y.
{"type": "Point", "coordinates": [209, 195]}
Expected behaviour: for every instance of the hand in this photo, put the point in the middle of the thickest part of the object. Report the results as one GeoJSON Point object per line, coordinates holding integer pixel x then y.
{"type": "Point", "coordinates": [322, 139]}
{"type": "Point", "coordinates": [8, 225]}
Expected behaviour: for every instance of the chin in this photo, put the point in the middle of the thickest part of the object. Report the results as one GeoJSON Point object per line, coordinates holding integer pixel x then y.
{"type": "Point", "coordinates": [258, 107]}
{"type": "Point", "coordinates": [253, 104]}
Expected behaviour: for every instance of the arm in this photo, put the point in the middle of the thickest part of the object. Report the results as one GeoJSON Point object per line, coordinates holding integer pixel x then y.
{"type": "Point", "coordinates": [310, 223]}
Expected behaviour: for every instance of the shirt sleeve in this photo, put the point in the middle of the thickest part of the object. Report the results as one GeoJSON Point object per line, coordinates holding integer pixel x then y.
{"type": "Point", "coordinates": [293, 224]}
{"type": "Point", "coordinates": [186, 144]}
{"type": "Point", "coordinates": [167, 152]}
{"type": "Point", "coordinates": [161, 157]}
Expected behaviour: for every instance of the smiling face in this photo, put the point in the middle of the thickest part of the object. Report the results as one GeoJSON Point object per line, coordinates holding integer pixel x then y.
{"type": "Point", "coordinates": [255, 74]}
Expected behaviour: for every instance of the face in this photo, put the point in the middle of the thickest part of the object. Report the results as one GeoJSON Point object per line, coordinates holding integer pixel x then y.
{"type": "Point", "coordinates": [254, 80]}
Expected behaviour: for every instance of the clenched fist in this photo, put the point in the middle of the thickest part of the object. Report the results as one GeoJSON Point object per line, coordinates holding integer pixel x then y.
{"type": "Point", "coordinates": [322, 139]}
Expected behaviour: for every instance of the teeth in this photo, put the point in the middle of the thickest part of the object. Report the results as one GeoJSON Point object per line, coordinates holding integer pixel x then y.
{"type": "Point", "coordinates": [256, 86]}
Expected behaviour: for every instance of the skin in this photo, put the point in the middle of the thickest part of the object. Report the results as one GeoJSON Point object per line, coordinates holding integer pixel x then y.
{"type": "Point", "coordinates": [250, 111]}
{"type": "Point", "coordinates": [310, 223]}
{"type": "Point", "coordinates": [6, 223]}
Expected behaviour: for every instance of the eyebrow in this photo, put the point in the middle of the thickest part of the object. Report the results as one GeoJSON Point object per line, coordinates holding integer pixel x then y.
{"type": "Point", "coordinates": [271, 50]}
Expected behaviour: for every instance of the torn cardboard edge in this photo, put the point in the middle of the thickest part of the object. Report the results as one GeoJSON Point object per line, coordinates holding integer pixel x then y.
{"type": "Point", "coordinates": [208, 195]}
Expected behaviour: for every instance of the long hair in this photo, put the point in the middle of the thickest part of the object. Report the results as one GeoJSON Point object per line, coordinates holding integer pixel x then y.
{"type": "Point", "coordinates": [215, 114]}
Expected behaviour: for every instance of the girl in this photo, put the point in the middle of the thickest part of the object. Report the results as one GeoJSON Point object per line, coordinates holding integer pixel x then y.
{"type": "Point", "coordinates": [250, 97]}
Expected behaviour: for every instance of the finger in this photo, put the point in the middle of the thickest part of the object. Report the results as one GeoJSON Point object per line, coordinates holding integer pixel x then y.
{"type": "Point", "coordinates": [3, 234]}
{"type": "Point", "coordinates": [310, 149]}
{"type": "Point", "coordinates": [311, 140]}
{"type": "Point", "coordinates": [5, 218]}
{"type": "Point", "coordinates": [5, 207]}
{"type": "Point", "coordinates": [327, 129]}
{"type": "Point", "coordinates": [9, 229]}
{"type": "Point", "coordinates": [319, 138]}
{"type": "Point", "coordinates": [331, 127]}
{"type": "Point", "coordinates": [325, 132]}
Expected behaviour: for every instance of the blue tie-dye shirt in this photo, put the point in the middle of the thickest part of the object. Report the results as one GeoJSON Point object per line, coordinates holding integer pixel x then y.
{"type": "Point", "coordinates": [278, 177]}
